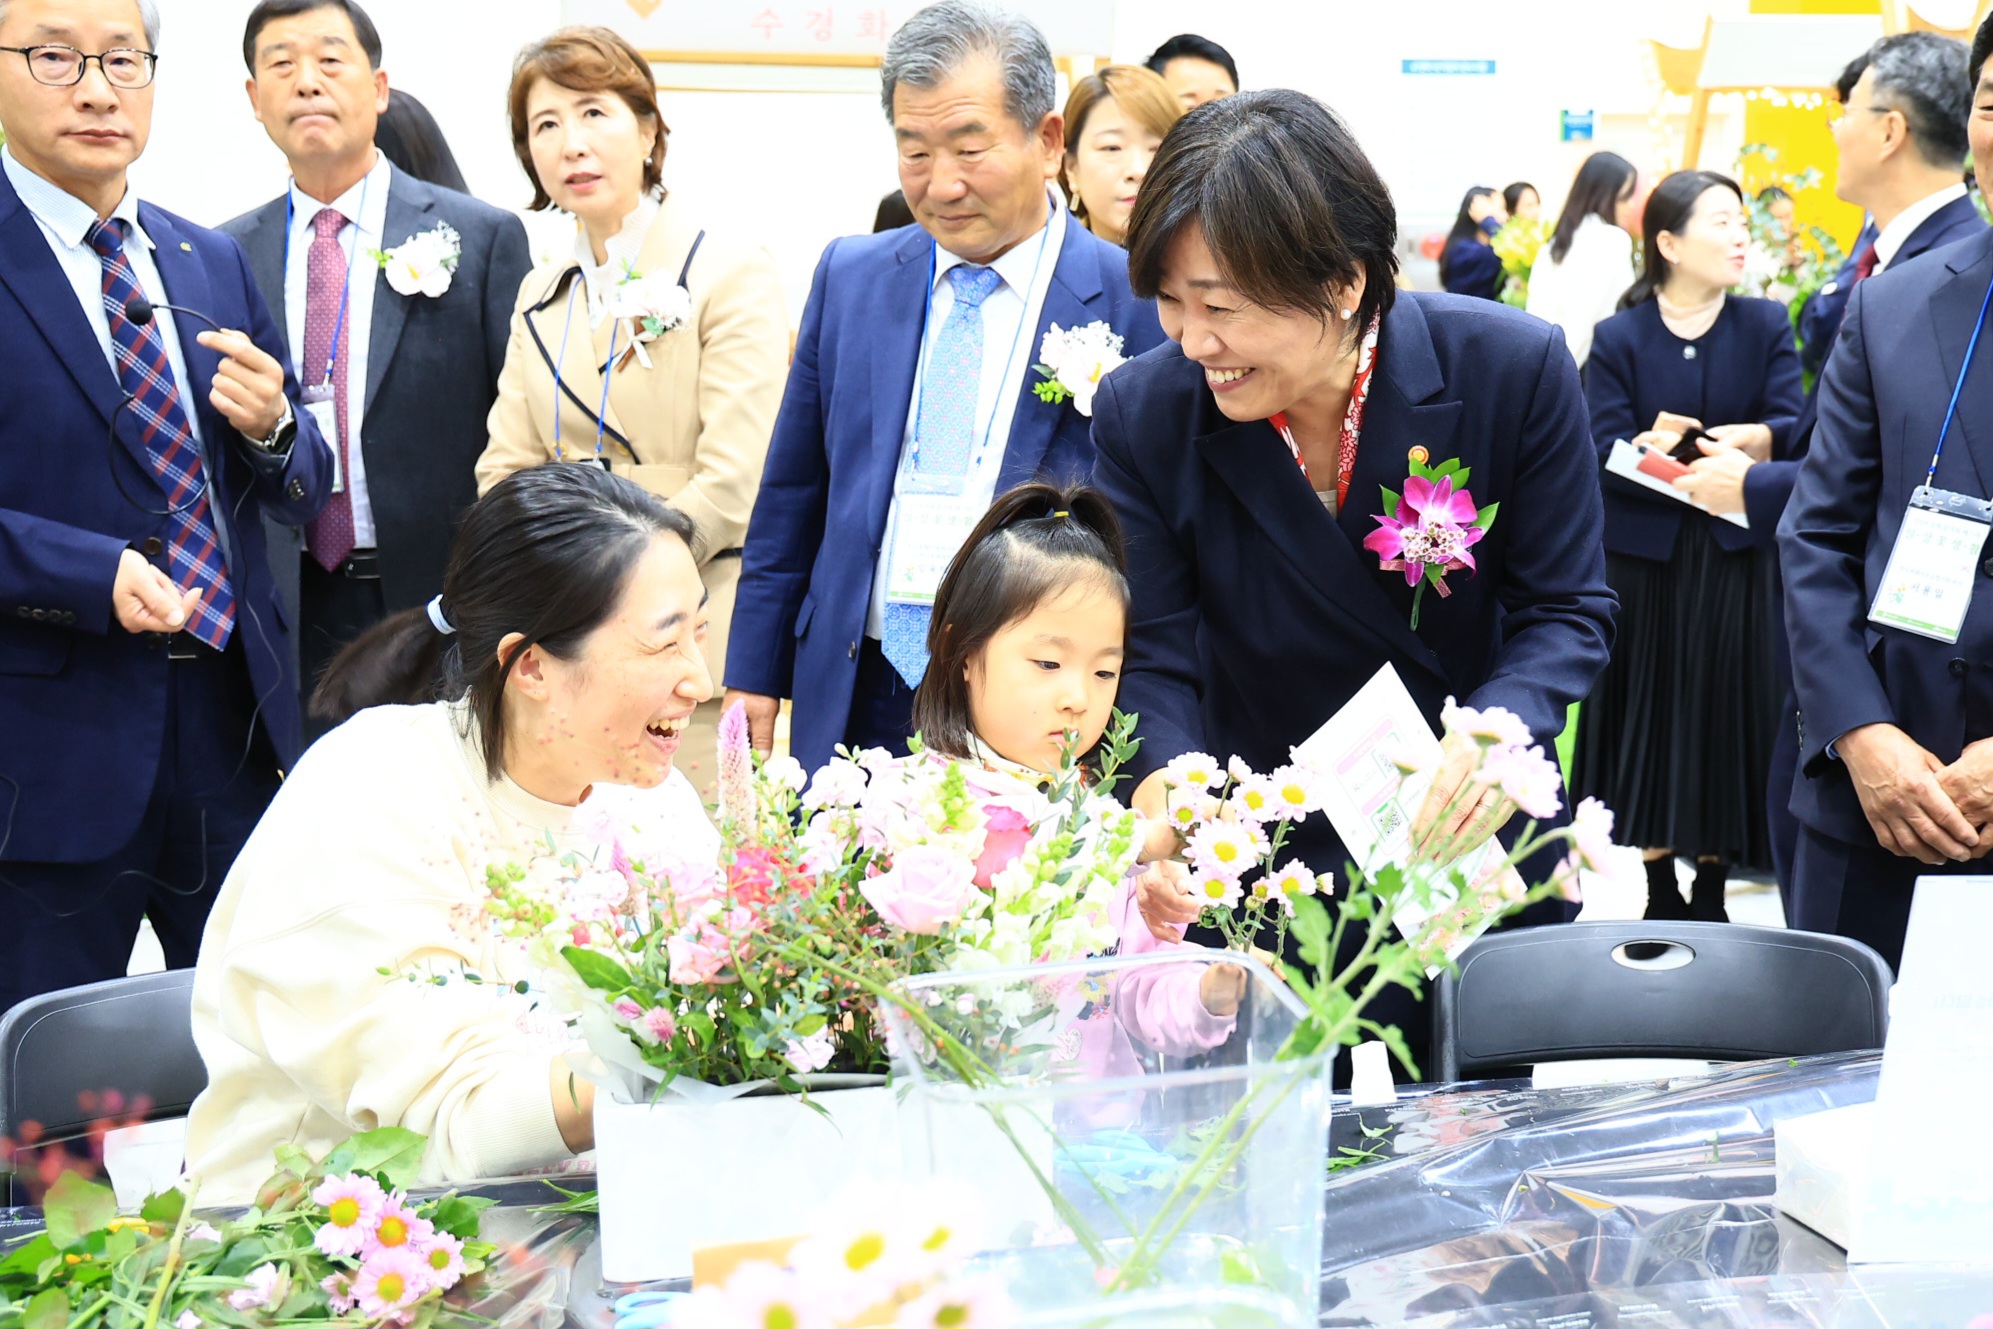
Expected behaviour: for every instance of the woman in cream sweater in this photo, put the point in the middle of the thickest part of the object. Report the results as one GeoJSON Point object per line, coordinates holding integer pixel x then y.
{"type": "Point", "coordinates": [569, 635]}
{"type": "Point", "coordinates": [690, 324]}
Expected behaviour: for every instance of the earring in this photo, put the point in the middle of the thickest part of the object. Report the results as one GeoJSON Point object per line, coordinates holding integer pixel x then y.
{"type": "Point", "coordinates": [1348, 314]}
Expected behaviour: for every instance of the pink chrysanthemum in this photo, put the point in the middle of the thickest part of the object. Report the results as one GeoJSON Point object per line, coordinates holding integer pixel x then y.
{"type": "Point", "coordinates": [389, 1283]}
{"type": "Point", "coordinates": [444, 1255]}
{"type": "Point", "coordinates": [339, 1287]}
{"type": "Point", "coordinates": [397, 1228]}
{"type": "Point", "coordinates": [352, 1204]}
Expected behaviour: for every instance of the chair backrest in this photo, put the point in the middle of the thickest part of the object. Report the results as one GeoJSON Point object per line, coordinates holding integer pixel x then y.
{"type": "Point", "coordinates": [132, 1039]}
{"type": "Point", "coordinates": [1710, 991]}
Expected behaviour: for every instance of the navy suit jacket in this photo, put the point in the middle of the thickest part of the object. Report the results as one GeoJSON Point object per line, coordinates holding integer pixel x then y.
{"type": "Point", "coordinates": [1473, 268]}
{"type": "Point", "coordinates": [1743, 371]}
{"type": "Point", "coordinates": [1882, 402]}
{"type": "Point", "coordinates": [1257, 615]}
{"type": "Point", "coordinates": [432, 374]}
{"type": "Point", "coordinates": [82, 701]}
{"type": "Point", "coordinates": [820, 519]}
{"type": "Point", "coordinates": [1769, 486]}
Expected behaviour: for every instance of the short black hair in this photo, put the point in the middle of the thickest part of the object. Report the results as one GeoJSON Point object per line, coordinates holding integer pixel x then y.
{"type": "Point", "coordinates": [1844, 86]}
{"type": "Point", "coordinates": [1982, 46]}
{"type": "Point", "coordinates": [1926, 78]}
{"type": "Point", "coordinates": [1189, 44]}
{"type": "Point", "coordinates": [1292, 209]}
{"type": "Point", "coordinates": [268, 11]}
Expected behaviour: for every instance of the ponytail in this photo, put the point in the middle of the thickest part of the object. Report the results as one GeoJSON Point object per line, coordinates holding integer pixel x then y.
{"type": "Point", "coordinates": [1034, 542]}
{"type": "Point", "coordinates": [545, 554]}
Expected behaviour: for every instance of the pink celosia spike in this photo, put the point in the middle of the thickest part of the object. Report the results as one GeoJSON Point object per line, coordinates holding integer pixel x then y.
{"type": "Point", "coordinates": [736, 766]}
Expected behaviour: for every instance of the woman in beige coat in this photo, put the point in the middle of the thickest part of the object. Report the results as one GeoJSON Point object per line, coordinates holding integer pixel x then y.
{"type": "Point", "coordinates": [690, 325]}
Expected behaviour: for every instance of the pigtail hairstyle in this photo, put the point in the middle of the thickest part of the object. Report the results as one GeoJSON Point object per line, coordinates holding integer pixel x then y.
{"type": "Point", "coordinates": [1035, 541]}
{"type": "Point", "coordinates": [546, 554]}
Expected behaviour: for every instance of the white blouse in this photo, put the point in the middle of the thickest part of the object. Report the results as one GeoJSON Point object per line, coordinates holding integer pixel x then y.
{"type": "Point", "coordinates": [1583, 290]}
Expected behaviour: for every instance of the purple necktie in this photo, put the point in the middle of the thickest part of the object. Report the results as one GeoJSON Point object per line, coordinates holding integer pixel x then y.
{"type": "Point", "coordinates": [193, 555]}
{"type": "Point", "coordinates": [330, 534]}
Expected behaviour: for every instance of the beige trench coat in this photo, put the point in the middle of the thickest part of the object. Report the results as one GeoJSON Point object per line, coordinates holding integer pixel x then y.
{"type": "Point", "coordinates": [693, 428]}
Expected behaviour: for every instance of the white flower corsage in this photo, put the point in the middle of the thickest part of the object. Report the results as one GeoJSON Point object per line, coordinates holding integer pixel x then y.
{"type": "Point", "coordinates": [423, 263]}
{"type": "Point", "coordinates": [1075, 360]}
{"type": "Point", "coordinates": [654, 305]}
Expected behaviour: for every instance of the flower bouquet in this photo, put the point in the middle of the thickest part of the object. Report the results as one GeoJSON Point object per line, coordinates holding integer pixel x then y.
{"type": "Point", "coordinates": [1146, 1148]}
{"type": "Point", "coordinates": [714, 993]}
{"type": "Point", "coordinates": [1517, 244]}
{"type": "Point", "coordinates": [333, 1241]}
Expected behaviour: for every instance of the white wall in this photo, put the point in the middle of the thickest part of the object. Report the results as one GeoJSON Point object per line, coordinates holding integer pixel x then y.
{"type": "Point", "coordinates": [797, 169]}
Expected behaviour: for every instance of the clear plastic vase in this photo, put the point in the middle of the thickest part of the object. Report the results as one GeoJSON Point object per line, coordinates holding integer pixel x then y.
{"type": "Point", "coordinates": [1137, 1130]}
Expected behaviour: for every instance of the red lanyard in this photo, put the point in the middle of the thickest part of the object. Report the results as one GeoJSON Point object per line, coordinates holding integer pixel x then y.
{"type": "Point", "coordinates": [1359, 394]}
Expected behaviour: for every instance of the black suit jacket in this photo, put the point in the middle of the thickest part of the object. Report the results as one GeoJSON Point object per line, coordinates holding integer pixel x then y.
{"type": "Point", "coordinates": [1882, 402]}
{"type": "Point", "coordinates": [432, 374]}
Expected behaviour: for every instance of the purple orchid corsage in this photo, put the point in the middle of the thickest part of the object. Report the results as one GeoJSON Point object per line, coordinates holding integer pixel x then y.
{"type": "Point", "coordinates": [1435, 530]}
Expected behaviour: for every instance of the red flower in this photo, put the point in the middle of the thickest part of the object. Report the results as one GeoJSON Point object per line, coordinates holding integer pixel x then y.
{"type": "Point", "coordinates": [1005, 833]}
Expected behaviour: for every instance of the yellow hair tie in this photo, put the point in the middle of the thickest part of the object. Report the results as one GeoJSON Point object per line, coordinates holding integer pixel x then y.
{"type": "Point", "coordinates": [1060, 513]}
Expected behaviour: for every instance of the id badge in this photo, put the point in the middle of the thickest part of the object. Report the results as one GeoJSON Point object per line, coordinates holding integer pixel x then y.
{"type": "Point", "coordinates": [318, 404]}
{"type": "Point", "coordinates": [927, 533]}
{"type": "Point", "coordinates": [1928, 582]}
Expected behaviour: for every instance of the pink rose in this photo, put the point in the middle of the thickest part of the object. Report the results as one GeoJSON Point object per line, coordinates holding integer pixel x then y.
{"type": "Point", "coordinates": [1005, 833]}
{"type": "Point", "coordinates": [925, 888]}
{"type": "Point", "coordinates": [698, 955]}
{"type": "Point", "coordinates": [626, 1008]}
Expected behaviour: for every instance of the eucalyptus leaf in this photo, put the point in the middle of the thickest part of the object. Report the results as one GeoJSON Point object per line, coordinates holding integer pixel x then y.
{"type": "Point", "coordinates": [74, 1208]}
{"type": "Point", "coordinates": [24, 1260]}
{"type": "Point", "coordinates": [164, 1207]}
{"type": "Point", "coordinates": [50, 1309]}
{"type": "Point", "coordinates": [392, 1152]}
{"type": "Point", "coordinates": [596, 970]}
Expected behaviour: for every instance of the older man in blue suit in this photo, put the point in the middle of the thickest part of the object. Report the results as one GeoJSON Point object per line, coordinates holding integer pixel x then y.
{"type": "Point", "coordinates": [1896, 728]}
{"type": "Point", "coordinates": [146, 698]}
{"type": "Point", "coordinates": [911, 401]}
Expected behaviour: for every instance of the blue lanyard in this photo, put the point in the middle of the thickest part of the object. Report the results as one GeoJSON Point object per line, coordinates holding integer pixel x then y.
{"type": "Point", "coordinates": [1959, 386]}
{"type": "Point", "coordinates": [1024, 330]}
{"type": "Point", "coordinates": [338, 328]}
{"type": "Point", "coordinates": [601, 411]}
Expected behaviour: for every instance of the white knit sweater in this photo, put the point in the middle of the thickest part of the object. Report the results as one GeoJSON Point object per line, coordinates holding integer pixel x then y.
{"type": "Point", "coordinates": [373, 856]}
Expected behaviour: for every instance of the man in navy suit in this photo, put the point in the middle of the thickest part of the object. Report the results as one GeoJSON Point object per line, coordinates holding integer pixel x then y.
{"type": "Point", "coordinates": [410, 377]}
{"type": "Point", "coordinates": [1896, 729]}
{"type": "Point", "coordinates": [146, 696]}
{"type": "Point", "coordinates": [1901, 138]}
{"type": "Point", "coordinates": [911, 401]}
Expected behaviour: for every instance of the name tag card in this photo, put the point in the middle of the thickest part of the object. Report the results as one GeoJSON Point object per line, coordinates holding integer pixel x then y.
{"type": "Point", "coordinates": [318, 404]}
{"type": "Point", "coordinates": [1934, 565]}
{"type": "Point", "coordinates": [1929, 1192]}
{"type": "Point", "coordinates": [928, 531]}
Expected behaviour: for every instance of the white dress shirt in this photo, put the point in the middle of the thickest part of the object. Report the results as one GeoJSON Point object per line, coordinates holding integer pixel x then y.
{"type": "Point", "coordinates": [66, 223]}
{"type": "Point", "coordinates": [1583, 290]}
{"type": "Point", "coordinates": [365, 207]}
{"type": "Point", "coordinates": [1011, 314]}
{"type": "Point", "coordinates": [1905, 223]}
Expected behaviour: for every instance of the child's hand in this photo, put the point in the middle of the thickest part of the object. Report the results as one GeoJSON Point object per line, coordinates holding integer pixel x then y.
{"type": "Point", "coordinates": [1221, 987]}
{"type": "Point", "coordinates": [1159, 840]}
{"type": "Point", "coordinates": [1163, 895]}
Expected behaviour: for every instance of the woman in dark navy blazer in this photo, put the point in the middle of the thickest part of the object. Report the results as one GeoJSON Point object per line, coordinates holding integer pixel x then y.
{"type": "Point", "coordinates": [1268, 240]}
{"type": "Point", "coordinates": [1467, 263]}
{"type": "Point", "coordinates": [1677, 736]}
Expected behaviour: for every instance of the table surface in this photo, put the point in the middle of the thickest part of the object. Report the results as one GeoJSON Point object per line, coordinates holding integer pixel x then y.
{"type": "Point", "coordinates": [1496, 1205]}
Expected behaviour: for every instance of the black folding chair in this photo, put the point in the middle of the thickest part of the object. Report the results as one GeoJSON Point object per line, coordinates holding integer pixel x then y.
{"type": "Point", "coordinates": [1708, 991]}
{"type": "Point", "coordinates": [121, 1051]}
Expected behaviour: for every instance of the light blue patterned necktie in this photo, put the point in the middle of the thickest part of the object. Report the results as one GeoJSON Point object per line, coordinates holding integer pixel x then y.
{"type": "Point", "coordinates": [943, 435]}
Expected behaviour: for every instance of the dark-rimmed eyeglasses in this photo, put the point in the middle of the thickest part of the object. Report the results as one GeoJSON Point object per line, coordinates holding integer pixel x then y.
{"type": "Point", "coordinates": [63, 66]}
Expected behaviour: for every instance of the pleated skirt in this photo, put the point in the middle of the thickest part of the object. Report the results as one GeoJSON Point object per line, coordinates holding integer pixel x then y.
{"type": "Point", "coordinates": [1676, 737]}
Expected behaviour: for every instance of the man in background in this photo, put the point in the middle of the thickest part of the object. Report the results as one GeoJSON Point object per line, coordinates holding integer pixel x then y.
{"type": "Point", "coordinates": [400, 378]}
{"type": "Point", "coordinates": [1197, 69]}
{"type": "Point", "coordinates": [146, 695]}
{"type": "Point", "coordinates": [909, 405]}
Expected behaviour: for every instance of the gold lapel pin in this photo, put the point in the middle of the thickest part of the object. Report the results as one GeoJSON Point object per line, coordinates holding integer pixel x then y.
{"type": "Point", "coordinates": [184, 245]}
{"type": "Point", "coordinates": [1418, 456]}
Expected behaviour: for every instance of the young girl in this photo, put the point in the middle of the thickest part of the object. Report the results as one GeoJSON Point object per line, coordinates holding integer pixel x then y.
{"type": "Point", "coordinates": [1025, 649]}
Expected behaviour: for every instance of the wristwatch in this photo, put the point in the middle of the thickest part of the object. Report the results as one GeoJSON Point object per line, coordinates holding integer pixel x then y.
{"type": "Point", "coordinates": [280, 438]}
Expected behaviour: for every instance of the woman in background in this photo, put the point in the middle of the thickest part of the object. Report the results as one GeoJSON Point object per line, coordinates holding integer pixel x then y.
{"type": "Point", "coordinates": [408, 135]}
{"type": "Point", "coordinates": [1522, 200]}
{"type": "Point", "coordinates": [1588, 263]}
{"type": "Point", "coordinates": [656, 348]}
{"type": "Point", "coordinates": [1678, 731]}
{"type": "Point", "coordinates": [1115, 121]}
{"type": "Point", "coordinates": [1468, 265]}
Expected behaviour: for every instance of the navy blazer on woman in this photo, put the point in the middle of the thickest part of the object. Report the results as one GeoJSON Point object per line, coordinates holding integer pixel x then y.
{"type": "Point", "coordinates": [1257, 615]}
{"type": "Point", "coordinates": [83, 703]}
{"type": "Point", "coordinates": [1882, 402]}
{"type": "Point", "coordinates": [1473, 268]}
{"type": "Point", "coordinates": [1744, 370]}
{"type": "Point", "coordinates": [819, 521]}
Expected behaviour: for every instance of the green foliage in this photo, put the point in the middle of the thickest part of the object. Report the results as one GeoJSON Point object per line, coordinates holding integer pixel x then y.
{"type": "Point", "coordinates": [1051, 391]}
